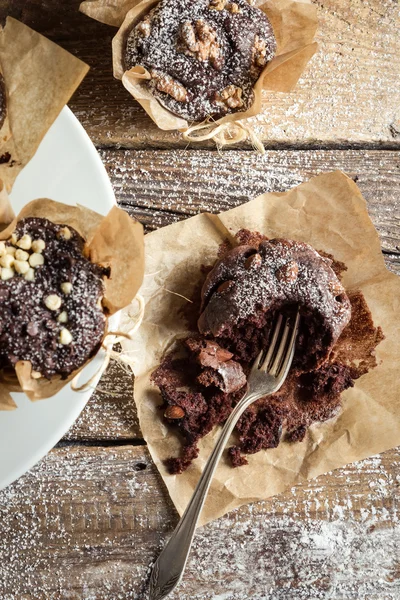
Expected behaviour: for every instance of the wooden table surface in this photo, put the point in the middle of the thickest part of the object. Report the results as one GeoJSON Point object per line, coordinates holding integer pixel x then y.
{"type": "Point", "coordinates": [89, 519]}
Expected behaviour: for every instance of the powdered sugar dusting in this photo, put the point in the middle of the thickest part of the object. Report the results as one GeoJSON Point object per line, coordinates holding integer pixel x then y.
{"type": "Point", "coordinates": [314, 286]}
{"type": "Point", "coordinates": [87, 523]}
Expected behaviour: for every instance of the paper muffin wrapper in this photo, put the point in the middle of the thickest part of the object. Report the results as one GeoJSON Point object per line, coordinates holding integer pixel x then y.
{"type": "Point", "coordinates": [115, 241]}
{"type": "Point", "coordinates": [39, 79]}
{"type": "Point", "coordinates": [294, 24]}
{"type": "Point", "coordinates": [329, 213]}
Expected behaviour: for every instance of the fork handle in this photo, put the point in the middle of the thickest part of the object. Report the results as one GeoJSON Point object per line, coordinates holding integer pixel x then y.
{"type": "Point", "coordinates": [170, 565]}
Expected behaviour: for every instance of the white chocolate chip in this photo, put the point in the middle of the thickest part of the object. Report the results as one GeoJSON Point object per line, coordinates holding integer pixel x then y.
{"type": "Point", "coordinates": [65, 233]}
{"type": "Point", "coordinates": [66, 287]}
{"type": "Point", "coordinates": [21, 255]}
{"type": "Point", "coordinates": [11, 250]}
{"type": "Point", "coordinates": [21, 266]}
{"type": "Point", "coordinates": [38, 246]}
{"type": "Point", "coordinates": [6, 261]}
{"type": "Point", "coordinates": [63, 317]}
{"type": "Point", "coordinates": [6, 273]}
{"type": "Point", "coordinates": [53, 302]}
{"type": "Point", "coordinates": [25, 242]}
{"type": "Point", "coordinates": [35, 259]}
{"type": "Point", "coordinates": [2, 248]}
{"type": "Point", "coordinates": [35, 375]}
{"type": "Point", "coordinates": [65, 337]}
{"type": "Point", "coordinates": [14, 238]}
{"type": "Point", "coordinates": [30, 274]}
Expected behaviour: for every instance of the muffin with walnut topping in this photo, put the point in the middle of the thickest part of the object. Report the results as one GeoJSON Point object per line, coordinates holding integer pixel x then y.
{"type": "Point", "coordinates": [203, 56]}
{"type": "Point", "coordinates": [50, 299]}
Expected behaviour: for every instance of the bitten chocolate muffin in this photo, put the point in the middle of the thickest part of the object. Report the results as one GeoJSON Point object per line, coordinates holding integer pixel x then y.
{"type": "Point", "coordinates": [249, 284]}
{"type": "Point", "coordinates": [204, 56]}
{"type": "Point", "coordinates": [50, 299]}
{"type": "Point", "coordinates": [205, 376]}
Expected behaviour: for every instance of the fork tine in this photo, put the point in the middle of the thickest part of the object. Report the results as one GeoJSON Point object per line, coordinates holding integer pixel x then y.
{"type": "Point", "coordinates": [287, 361]}
{"type": "Point", "coordinates": [257, 362]}
{"type": "Point", "coordinates": [268, 357]}
{"type": "Point", "coordinates": [280, 353]}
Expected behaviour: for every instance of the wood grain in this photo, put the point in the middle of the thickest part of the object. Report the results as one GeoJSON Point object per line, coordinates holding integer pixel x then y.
{"type": "Point", "coordinates": [111, 411]}
{"type": "Point", "coordinates": [160, 187]}
{"type": "Point", "coordinates": [87, 522]}
{"type": "Point", "coordinates": [349, 93]}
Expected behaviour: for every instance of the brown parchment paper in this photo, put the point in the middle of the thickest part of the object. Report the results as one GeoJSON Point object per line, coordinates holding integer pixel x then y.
{"type": "Point", "coordinates": [39, 79]}
{"type": "Point", "coordinates": [6, 212]}
{"type": "Point", "coordinates": [115, 241]}
{"type": "Point", "coordinates": [294, 23]}
{"type": "Point", "coordinates": [329, 213]}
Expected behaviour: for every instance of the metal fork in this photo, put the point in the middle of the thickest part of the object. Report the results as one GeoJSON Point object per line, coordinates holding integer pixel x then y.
{"type": "Point", "coordinates": [267, 375]}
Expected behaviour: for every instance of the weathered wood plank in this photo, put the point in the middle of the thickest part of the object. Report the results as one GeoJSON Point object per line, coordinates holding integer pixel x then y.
{"type": "Point", "coordinates": [87, 522]}
{"type": "Point", "coordinates": [111, 412]}
{"type": "Point", "coordinates": [162, 187]}
{"type": "Point", "coordinates": [348, 94]}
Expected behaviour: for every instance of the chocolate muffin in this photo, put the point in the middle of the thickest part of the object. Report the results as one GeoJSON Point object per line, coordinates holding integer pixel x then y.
{"type": "Point", "coordinates": [204, 56]}
{"type": "Point", "coordinates": [50, 300]}
{"type": "Point", "coordinates": [250, 284]}
{"type": "Point", "coordinates": [205, 376]}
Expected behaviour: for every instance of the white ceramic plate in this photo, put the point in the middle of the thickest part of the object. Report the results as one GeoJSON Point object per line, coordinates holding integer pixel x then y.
{"type": "Point", "coordinates": [66, 168]}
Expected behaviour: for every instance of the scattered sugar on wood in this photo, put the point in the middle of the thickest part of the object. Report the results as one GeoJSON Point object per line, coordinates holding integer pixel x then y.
{"type": "Point", "coordinates": [87, 522]}
{"type": "Point", "coordinates": [160, 188]}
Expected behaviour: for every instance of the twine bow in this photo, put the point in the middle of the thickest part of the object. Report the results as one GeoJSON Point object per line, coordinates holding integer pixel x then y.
{"type": "Point", "coordinates": [224, 134]}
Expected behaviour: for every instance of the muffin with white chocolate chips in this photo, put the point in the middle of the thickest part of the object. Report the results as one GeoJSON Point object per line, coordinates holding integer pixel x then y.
{"type": "Point", "coordinates": [50, 299]}
{"type": "Point", "coordinates": [204, 56]}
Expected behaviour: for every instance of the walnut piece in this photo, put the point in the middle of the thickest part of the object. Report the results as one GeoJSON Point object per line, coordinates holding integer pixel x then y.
{"type": "Point", "coordinates": [144, 27]}
{"type": "Point", "coordinates": [165, 83]}
{"type": "Point", "coordinates": [231, 97]}
{"type": "Point", "coordinates": [336, 288]}
{"type": "Point", "coordinates": [259, 56]}
{"type": "Point", "coordinates": [174, 412]}
{"type": "Point", "coordinates": [288, 273]}
{"type": "Point", "coordinates": [200, 41]}
{"type": "Point", "coordinates": [253, 262]}
{"type": "Point", "coordinates": [224, 4]}
{"type": "Point", "coordinates": [217, 4]}
{"type": "Point", "coordinates": [226, 285]}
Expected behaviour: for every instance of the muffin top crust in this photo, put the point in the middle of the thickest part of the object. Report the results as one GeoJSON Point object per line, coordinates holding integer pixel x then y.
{"type": "Point", "coordinates": [250, 284]}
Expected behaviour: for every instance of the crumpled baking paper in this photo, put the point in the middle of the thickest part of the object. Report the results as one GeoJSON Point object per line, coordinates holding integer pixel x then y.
{"type": "Point", "coordinates": [39, 79]}
{"type": "Point", "coordinates": [329, 213]}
